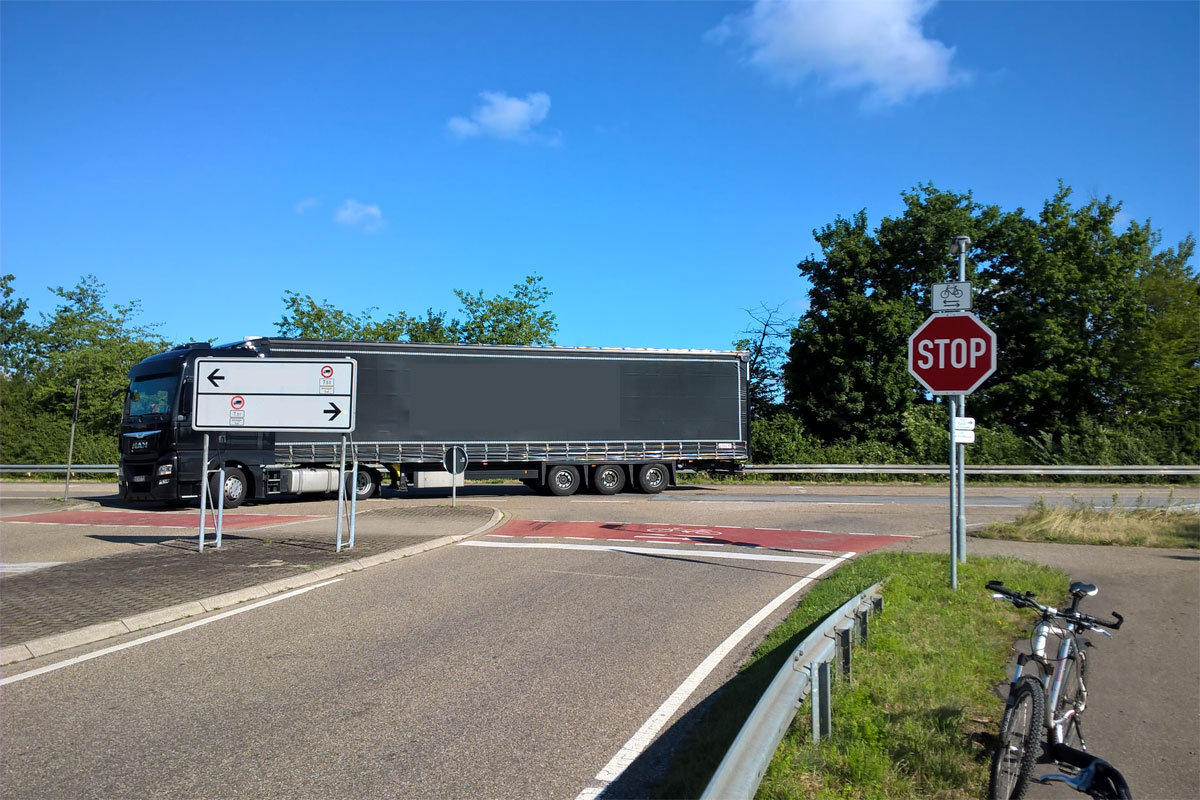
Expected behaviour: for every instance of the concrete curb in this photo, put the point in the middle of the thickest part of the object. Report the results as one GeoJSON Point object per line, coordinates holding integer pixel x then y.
{"type": "Point", "coordinates": [106, 630]}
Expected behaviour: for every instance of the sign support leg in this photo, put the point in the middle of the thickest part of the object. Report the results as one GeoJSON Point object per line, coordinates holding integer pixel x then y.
{"type": "Point", "coordinates": [953, 497]}
{"type": "Point", "coordinates": [341, 494]}
{"type": "Point", "coordinates": [203, 489]}
{"type": "Point", "coordinates": [354, 493]}
{"type": "Point", "coordinates": [71, 446]}
{"type": "Point", "coordinates": [220, 502]}
{"type": "Point", "coordinates": [962, 488]}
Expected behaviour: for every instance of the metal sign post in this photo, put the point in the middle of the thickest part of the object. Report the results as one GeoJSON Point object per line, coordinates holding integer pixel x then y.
{"type": "Point", "coordinates": [952, 353]}
{"type": "Point", "coordinates": [455, 462]}
{"type": "Point", "coordinates": [71, 446]}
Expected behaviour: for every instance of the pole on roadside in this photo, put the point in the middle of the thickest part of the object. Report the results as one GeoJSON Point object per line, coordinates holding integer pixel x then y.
{"type": "Point", "coordinates": [71, 445]}
{"type": "Point", "coordinates": [341, 493]}
{"type": "Point", "coordinates": [953, 497]}
{"type": "Point", "coordinates": [961, 244]}
{"type": "Point", "coordinates": [203, 489]}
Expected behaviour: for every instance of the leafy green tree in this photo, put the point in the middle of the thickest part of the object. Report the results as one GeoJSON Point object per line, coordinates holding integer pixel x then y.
{"type": "Point", "coordinates": [82, 339]}
{"type": "Point", "coordinates": [847, 373]}
{"type": "Point", "coordinates": [1094, 325]}
{"type": "Point", "coordinates": [508, 319]}
{"type": "Point", "coordinates": [518, 318]}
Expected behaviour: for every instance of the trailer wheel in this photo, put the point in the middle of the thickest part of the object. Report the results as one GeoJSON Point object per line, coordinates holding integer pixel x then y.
{"type": "Point", "coordinates": [236, 488]}
{"type": "Point", "coordinates": [608, 479]}
{"type": "Point", "coordinates": [652, 478]}
{"type": "Point", "coordinates": [366, 484]}
{"type": "Point", "coordinates": [562, 481]}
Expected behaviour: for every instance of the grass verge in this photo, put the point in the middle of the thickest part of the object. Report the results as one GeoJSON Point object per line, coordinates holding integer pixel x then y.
{"type": "Point", "coordinates": [1084, 524]}
{"type": "Point", "coordinates": [915, 720]}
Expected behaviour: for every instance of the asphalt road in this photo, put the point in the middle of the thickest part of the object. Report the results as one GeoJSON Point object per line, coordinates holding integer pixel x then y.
{"type": "Point", "coordinates": [521, 671]}
{"type": "Point", "coordinates": [465, 672]}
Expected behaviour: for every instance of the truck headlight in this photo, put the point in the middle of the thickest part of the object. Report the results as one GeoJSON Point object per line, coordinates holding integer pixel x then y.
{"type": "Point", "coordinates": [166, 469]}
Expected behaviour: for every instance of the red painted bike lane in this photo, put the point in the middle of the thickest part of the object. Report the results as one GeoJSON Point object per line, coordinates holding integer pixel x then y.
{"type": "Point", "coordinates": [648, 533]}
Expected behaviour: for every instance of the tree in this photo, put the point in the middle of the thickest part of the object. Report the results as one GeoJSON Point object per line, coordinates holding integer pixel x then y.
{"type": "Point", "coordinates": [508, 319]}
{"type": "Point", "coordinates": [1094, 325]}
{"type": "Point", "coordinates": [82, 339]}
{"type": "Point", "coordinates": [846, 374]}
{"type": "Point", "coordinates": [762, 342]}
{"type": "Point", "coordinates": [504, 319]}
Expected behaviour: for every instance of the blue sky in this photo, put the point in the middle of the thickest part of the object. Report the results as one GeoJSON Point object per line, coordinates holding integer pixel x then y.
{"type": "Point", "coordinates": [661, 165]}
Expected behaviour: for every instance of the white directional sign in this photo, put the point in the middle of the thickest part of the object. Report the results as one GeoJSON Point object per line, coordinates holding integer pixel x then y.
{"type": "Point", "coordinates": [274, 394]}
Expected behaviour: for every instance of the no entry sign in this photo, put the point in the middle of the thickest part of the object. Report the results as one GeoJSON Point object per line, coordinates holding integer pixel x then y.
{"type": "Point", "coordinates": [952, 353]}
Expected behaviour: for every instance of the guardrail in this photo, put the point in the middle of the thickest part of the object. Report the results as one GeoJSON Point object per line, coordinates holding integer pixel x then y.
{"type": "Point", "coordinates": [75, 468]}
{"type": "Point", "coordinates": [972, 469]}
{"type": "Point", "coordinates": [811, 469]}
{"type": "Point", "coordinates": [806, 673]}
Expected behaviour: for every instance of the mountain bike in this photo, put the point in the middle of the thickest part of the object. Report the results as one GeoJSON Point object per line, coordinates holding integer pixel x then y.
{"type": "Point", "coordinates": [1053, 701]}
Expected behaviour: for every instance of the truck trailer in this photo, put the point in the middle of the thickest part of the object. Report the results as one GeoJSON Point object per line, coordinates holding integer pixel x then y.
{"type": "Point", "coordinates": [560, 419]}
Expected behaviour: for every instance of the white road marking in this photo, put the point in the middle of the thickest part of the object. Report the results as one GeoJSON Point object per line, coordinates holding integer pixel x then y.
{"type": "Point", "coordinates": [658, 720]}
{"type": "Point", "coordinates": [16, 568]}
{"type": "Point", "coordinates": [654, 551]}
{"type": "Point", "coordinates": [161, 635]}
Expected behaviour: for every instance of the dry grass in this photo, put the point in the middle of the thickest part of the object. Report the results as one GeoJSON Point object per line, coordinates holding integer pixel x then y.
{"type": "Point", "coordinates": [1085, 524]}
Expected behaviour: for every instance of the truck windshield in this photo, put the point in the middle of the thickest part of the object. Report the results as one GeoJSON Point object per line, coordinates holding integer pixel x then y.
{"type": "Point", "coordinates": [152, 394]}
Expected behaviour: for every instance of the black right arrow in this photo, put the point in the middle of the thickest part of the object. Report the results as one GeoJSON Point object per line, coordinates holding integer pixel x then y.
{"type": "Point", "coordinates": [332, 411]}
{"type": "Point", "coordinates": [215, 376]}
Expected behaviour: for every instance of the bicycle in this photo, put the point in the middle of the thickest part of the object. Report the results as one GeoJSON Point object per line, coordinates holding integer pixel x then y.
{"type": "Point", "coordinates": [1053, 701]}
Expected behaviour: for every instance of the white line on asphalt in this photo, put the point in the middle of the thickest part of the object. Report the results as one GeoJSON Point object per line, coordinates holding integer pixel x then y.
{"type": "Point", "coordinates": [653, 551]}
{"type": "Point", "coordinates": [658, 720]}
{"type": "Point", "coordinates": [26, 566]}
{"type": "Point", "coordinates": [161, 635]}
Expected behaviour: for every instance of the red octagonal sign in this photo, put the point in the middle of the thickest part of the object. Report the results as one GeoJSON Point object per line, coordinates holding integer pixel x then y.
{"type": "Point", "coordinates": [952, 353]}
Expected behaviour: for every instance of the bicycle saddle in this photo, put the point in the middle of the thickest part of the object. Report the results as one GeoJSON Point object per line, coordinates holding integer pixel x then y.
{"type": "Point", "coordinates": [1081, 589]}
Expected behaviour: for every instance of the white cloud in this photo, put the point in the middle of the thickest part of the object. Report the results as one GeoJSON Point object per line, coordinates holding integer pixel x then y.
{"type": "Point", "coordinates": [306, 204]}
{"type": "Point", "coordinates": [876, 46]}
{"type": "Point", "coordinates": [354, 214]}
{"type": "Point", "coordinates": [504, 117]}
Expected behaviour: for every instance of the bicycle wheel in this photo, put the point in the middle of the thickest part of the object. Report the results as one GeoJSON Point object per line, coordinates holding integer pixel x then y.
{"type": "Point", "coordinates": [1072, 699]}
{"type": "Point", "coordinates": [1018, 745]}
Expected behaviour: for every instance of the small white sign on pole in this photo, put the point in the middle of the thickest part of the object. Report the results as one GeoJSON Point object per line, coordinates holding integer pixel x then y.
{"type": "Point", "coordinates": [964, 423]}
{"type": "Point", "coordinates": [962, 436]}
{"type": "Point", "coordinates": [955, 296]}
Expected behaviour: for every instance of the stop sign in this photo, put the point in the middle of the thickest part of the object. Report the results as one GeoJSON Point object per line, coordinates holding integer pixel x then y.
{"type": "Point", "coordinates": [952, 353]}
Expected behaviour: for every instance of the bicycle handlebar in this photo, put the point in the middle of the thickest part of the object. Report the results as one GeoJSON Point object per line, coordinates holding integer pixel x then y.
{"type": "Point", "coordinates": [1026, 600]}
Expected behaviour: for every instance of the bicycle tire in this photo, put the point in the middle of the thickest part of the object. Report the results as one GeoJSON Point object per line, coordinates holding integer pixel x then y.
{"type": "Point", "coordinates": [1073, 694]}
{"type": "Point", "coordinates": [1017, 746]}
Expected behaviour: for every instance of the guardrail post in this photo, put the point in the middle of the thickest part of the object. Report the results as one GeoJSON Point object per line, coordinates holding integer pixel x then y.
{"type": "Point", "coordinates": [814, 694]}
{"type": "Point", "coordinates": [844, 637]}
{"type": "Point", "coordinates": [862, 621]}
{"type": "Point", "coordinates": [825, 723]}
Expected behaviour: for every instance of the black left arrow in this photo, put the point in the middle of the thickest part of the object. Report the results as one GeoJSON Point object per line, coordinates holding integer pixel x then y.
{"type": "Point", "coordinates": [215, 376]}
{"type": "Point", "coordinates": [332, 411]}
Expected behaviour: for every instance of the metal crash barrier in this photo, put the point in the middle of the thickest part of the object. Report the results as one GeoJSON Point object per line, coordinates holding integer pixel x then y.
{"type": "Point", "coordinates": [806, 674]}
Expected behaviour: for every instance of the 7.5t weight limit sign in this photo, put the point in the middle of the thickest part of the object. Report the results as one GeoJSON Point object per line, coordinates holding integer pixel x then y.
{"type": "Point", "coordinates": [952, 353]}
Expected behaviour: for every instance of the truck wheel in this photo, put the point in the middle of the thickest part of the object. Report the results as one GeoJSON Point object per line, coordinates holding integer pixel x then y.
{"type": "Point", "coordinates": [366, 484]}
{"type": "Point", "coordinates": [235, 488]}
{"type": "Point", "coordinates": [562, 481]}
{"type": "Point", "coordinates": [652, 478]}
{"type": "Point", "coordinates": [608, 479]}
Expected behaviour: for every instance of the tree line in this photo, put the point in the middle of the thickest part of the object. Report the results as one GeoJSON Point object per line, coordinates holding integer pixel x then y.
{"type": "Point", "coordinates": [1098, 328]}
{"type": "Point", "coordinates": [1098, 339]}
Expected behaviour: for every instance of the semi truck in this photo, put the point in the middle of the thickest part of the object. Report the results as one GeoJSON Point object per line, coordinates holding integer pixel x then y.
{"type": "Point", "coordinates": [559, 419]}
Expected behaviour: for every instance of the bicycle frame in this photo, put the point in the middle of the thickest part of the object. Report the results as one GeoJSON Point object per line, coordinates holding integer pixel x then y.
{"type": "Point", "coordinates": [1068, 646]}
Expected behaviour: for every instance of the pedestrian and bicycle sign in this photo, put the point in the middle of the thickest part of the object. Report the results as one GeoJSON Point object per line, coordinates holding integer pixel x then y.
{"type": "Point", "coordinates": [274, 394]}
